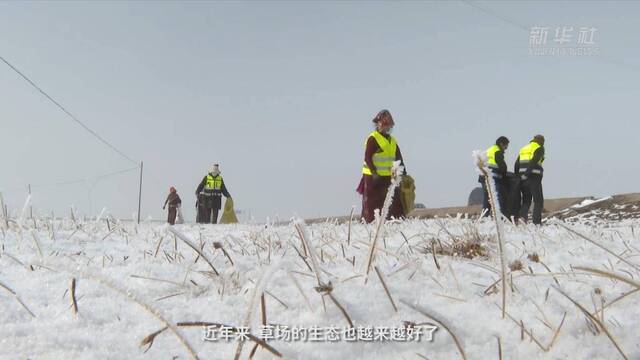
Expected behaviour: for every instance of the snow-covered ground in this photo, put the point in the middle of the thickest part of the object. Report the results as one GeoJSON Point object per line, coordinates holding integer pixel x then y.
{"type": "Point", "coordinates": [134, 278]}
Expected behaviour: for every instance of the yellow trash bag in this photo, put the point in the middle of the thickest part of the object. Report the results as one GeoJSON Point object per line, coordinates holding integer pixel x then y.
{"type": "Point", "coordinates": [407, 194]}
{"type": "Point", "coordinates": [228, 215]}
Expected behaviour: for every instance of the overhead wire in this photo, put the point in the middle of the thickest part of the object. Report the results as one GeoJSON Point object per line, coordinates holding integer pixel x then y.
{"type": "Point", "coordinates": [69, 114]}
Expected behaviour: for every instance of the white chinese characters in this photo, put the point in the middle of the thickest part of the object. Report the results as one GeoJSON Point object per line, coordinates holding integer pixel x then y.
{"type": "Point", "coordinates": [324, 334]}
{"type": "Point", "coordinates": [565, 41]}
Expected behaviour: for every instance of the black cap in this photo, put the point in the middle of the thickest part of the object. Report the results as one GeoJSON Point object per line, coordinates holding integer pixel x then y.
{"type": "Point", "coordinates": [502, 140]}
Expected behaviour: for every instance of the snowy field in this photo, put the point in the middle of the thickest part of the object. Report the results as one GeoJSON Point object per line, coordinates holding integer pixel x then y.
{"type": "Point", "coordinates": [133, 280]}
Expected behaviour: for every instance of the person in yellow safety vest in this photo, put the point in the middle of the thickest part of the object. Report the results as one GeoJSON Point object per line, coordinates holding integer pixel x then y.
{"type": "Point", "coordinates": [209, 194]}
{"type": "Point", "coordinates": [529, 167]}
{"type": "Point", "coordinates": [498, 169]}
{"type": "Point", "coordinates": [381, 150]}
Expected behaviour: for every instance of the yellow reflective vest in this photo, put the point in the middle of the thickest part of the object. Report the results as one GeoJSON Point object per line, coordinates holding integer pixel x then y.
{"type": "Point", "coordinates": [213, 183]}
{"type": "Point", "coordinates": [526, 155]}
{"type": "Point", "coordinates": [491, 160]}
{"type": "Point", "coordinates": [382, 160]}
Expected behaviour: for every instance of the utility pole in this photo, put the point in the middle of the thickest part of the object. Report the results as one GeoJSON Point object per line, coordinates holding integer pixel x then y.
{"type": "Point", "coordinates": [140, 192]}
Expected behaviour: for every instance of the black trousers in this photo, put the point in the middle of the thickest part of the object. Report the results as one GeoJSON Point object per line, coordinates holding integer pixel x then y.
{"type": "Point", "coordinates": [207, 215]}
{"type": "Point", "coordinates": [531, 190]}
{"type": "Point", "coordinates": [502, 190]}
{"type": "Point", "coordinates": [171, 215]}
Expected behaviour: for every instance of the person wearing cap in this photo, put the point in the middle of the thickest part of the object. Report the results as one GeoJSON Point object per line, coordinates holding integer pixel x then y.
{"type": "Point", "coordinates": [174, 202]}
{"type": "Point", "coordinates": [529, 167]}
{"type": "Point", "coordinates": [381, 150]}
{"type": "Point", "coordinates": [209, 193]}
{"type": "Point", "coordinates": [498, 169]}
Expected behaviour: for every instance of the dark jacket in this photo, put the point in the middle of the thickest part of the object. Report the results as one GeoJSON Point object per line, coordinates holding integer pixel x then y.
{"type": "Point", "coordinates": [173, 200]}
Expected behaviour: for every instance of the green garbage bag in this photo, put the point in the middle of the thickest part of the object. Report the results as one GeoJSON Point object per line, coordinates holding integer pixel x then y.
{"type": "Point", "coordinates": [228, 215]}
{"type": "Point", "coordinates": [407, 194]}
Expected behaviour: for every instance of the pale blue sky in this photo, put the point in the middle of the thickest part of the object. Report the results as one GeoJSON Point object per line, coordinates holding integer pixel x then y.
{"type": "Point", "coordinates": [281, 94]}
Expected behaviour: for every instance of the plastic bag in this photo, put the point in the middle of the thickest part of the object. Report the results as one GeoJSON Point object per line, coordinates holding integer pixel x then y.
{"type": "Point", "coordinates": [407, 194]}
{"type": "Point", "coordinates": [229, 214]}
{"type": "Point", "coordinates": [180, 218]}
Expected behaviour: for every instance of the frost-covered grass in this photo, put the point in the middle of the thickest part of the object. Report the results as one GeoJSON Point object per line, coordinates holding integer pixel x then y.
{"type": "Point", "coordinates": [133, 279]}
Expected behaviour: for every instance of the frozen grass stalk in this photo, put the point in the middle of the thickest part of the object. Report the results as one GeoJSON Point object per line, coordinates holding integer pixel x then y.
{"type": "Point", "coordinates": [128, 294]}
{"type": "Point", "coordinates": [23, 213]}
{"type": "Point", "coordinates": [481, 164]}
{"type": "Point", "coordinates": [439, 322]}
{"type": "Point", "coordinates": [191, 245]}
{"type": "Point", "coordinates": [396, 177]}
{"type": "Point", "coordinates": [15, 296]}
{"type": "Point", "coordinates": [5, 217]}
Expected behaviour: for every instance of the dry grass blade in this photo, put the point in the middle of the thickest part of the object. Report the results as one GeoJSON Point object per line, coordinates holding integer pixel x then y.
{"type": "Point", "coordinates": [263, 312]}
{"type": "Point", "coordinates": [109, 233]}
{"type": "Point", "coordinates": [195, 248]}
{"type": "Point", "coordinates": [557, 332]}
{"type": "Point", "coordinates": [525, 331]}
{"type": "Point", "coordinates": [15, 296]}
{"type": "Point", "coordinates": [297, 284]}
{"type": "Point", "coordinates": [618, 299]}
{"type": "Point", "coordinates": [284, 305]}
{"type": "Point", "coordinates": [372, 250]}
{"type": "Point", "coordinates": [74, 302]}
{"type": "Point", "coordinates": [153, 312]}
{"type": "Point", "coordinates": [439, 322]}
{"type": "Point", "coordinates": [433, 252]}
{"type": "Point", "coordinates": [158, 246]}
{"type": "Point", "coordinates": [169, 296]}
{"type": "Point", "coordinates": [499, 348]}
{"type": "Point", "coordinates": [218, 245]}
{"type": "Point", "coordinates": [263, 308]}
{"type": "Point", "coordinates": [4, 212]}
{"type": "Point", "coordinates": [35, 240]}
{"type": "Point", "coordinates": [257, 291]}
{"type": "Point", "coordinates": [156, 279]}
{"type": "Point", "coordinates": [386, 289]}
{"type": "Point", "coordinates": [349, 227]}
{"type": "Point", "coordinates": [301, 236]}
{"type": "Point", "coordinates": [342, 309]}
{"type": "Point", "coordinates": [148, 340]}
{"type": "Point", "coordinates": [595, 320]}
{"type": "Point", "coordinates": [127, 294]}
{"type": "Point", "coordinates": [609, 275]}
{"type": "Point", "coordinates": [599, 245]}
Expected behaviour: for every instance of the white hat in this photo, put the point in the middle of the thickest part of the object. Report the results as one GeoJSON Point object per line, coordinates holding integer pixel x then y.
{"type": "Point", "coordinates": [215, 170]}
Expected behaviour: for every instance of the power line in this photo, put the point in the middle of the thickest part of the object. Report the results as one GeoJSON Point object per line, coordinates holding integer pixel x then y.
{"type": "Point", "coordinates": [78, 181]}
{"type": "Point", "coordinates": [97, 177]}
{"type": "Point", "coordinates": [491, 13]}
{"type": "Point", "coordinates": [67, 112]}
